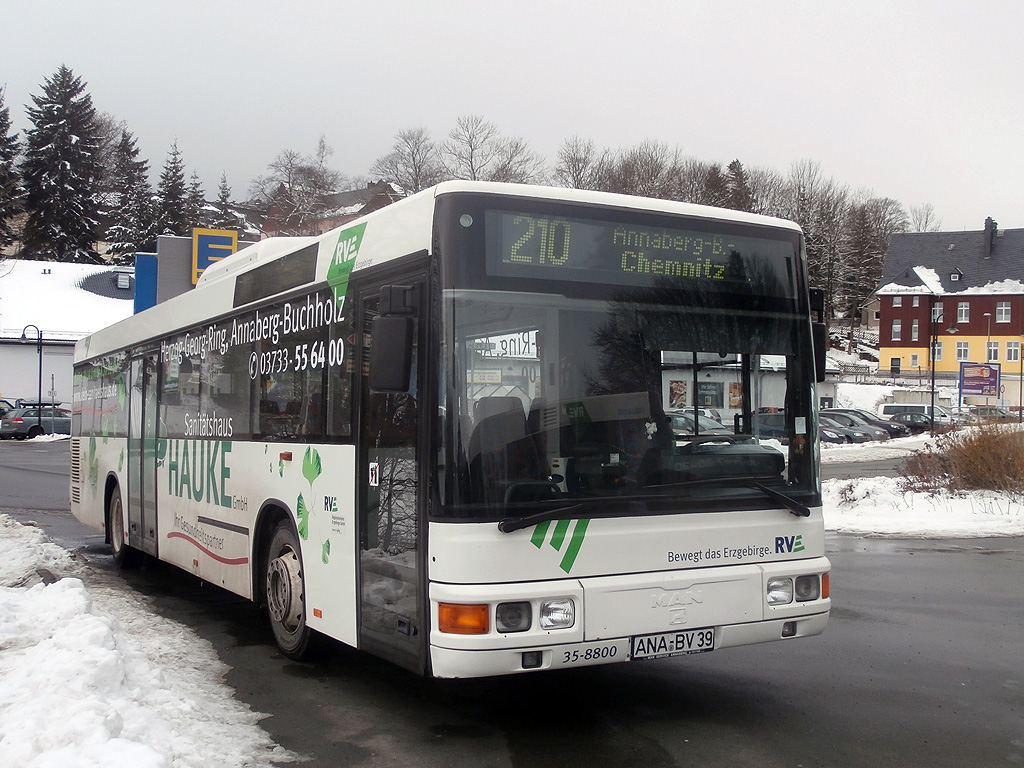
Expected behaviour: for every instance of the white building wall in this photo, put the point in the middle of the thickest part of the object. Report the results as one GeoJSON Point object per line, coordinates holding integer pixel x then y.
{"type": "Point", "coordinates": [19, 370]}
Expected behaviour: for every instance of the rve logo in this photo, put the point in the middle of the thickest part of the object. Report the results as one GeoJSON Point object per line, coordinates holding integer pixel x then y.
{"type": "Point", "coordinates": [558, 539]}
{"type": "Point", "coordinates": [789, 544]}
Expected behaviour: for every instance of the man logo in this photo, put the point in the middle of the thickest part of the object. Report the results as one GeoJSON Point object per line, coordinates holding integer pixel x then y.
{"type": "Point", "coordinates": [558, 539]}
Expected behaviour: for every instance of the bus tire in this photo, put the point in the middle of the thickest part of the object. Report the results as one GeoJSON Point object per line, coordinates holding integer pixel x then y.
{"type": "Point", "coordinates": [286, 594]}
{"type": "Point", "coordinates": [124, 555]}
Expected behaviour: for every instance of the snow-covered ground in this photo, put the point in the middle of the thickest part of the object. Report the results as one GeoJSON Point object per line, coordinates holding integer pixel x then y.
{"type": "Point", "coordinates": [90, 677]}
{"type": "Point", "coordinates": [876, 506]}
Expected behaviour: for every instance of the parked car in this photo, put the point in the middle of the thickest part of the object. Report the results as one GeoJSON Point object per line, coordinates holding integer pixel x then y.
{"type": "Point", "coordinates": [19, 423]}
{"type": "Point", "coordinates": [827, 435]}
{"type": "Point", "coordinates": [710, 413]}
{"type": "Point", "coordinates": [915, 422]}
{"type": "Point", "coordinates": [852, 421]}
{"type": "Point", "coordinates": [5, 406]}
{"type": "Point", "coordinates": [992, 413]}
{"type": "Point", "coordinates": [964, 416]}
{"type": "Point", "coordinates": [772, 425]}
{"type": "Point", "coordinates": [852, 434]}
{"type": "Point", "coordinates": [894, 429]}
{"type": "Point", "coordinates": [684, 425]}
{"type": "Point", "coordinates": [888, 410]}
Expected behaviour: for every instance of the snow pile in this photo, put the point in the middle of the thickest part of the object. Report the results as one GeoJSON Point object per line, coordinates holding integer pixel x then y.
{"type": "Point", "coordinates": [877, 506]}
{"type": "Point", "coordinates": [91, 678]}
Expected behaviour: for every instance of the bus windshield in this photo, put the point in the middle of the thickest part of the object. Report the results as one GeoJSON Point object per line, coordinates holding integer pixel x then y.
{"type": "Point", "coordinates": [653, 399]}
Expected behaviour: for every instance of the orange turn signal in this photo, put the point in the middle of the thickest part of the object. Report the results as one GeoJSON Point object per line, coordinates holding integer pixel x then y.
{"type": "Point", "coordinates": [455, 619]}
{"type": "Point", "coordinates": [824, 585]}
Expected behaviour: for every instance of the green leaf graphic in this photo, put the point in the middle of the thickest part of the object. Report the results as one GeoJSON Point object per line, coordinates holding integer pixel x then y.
{"type": "Point", "coordinates": [280, 467]}
{"type": "Point", "coordinates": [302, 513]}
{"type": "Point", "coordinates": [94, 463]}
{"type": "Point", "coordinates": [326, 554]}
{"type": "Point", "coordinates": [311, 467]}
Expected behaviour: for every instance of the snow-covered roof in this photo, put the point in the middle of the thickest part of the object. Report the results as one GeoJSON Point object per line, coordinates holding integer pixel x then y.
{"type": "Point", "coordinates": [50, 295]}
{"type": "Point", "coordinates": [996, 287]}
{"type": "Point", "coordinates": [986, 261]}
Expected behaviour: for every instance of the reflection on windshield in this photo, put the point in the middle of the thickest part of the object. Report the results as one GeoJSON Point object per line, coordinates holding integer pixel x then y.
{"type": "Point", "coordinates": [644, 397]}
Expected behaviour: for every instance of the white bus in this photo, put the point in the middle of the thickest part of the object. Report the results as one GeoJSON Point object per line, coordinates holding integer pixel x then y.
{"type": "Point", "coordinates": [439, 433]}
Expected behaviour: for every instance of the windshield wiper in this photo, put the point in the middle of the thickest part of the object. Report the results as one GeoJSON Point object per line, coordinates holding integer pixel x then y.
{"type": "Point", "coordinates": [797, 508]}
{"type": "Point", "coordinates": [510, 524]}
{"type": "Point", "coordinates": [794, 506]}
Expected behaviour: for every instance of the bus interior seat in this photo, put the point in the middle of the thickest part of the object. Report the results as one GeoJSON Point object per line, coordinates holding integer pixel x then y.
{"type": "Point", "coordinates": [501, 452]}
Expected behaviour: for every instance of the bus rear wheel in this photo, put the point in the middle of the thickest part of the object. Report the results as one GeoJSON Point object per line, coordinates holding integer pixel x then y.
{"type": "Point", "coordinates": [124, 555]}
{"type": "Point", "coordinates": [286, 594]}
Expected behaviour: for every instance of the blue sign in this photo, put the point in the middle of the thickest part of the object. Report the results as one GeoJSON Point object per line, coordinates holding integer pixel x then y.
{"type": "Point", "coordinates": [145, 281]}
{"type": "Point", "coordinates": [980, 379]}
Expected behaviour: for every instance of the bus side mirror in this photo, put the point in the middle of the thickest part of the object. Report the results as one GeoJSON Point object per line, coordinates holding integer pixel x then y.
{"type": "Point", "coordinates": [819, 332]}
{"type": "Point", "coordinates": [392, 347]}
{"type": "Point", "coordinates": [820, 345]}
{"type": "Point", "coordinates": [391, 354]}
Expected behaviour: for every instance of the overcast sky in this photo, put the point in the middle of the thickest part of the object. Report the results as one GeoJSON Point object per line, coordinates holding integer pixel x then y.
{"type": "Point", "coordinates": [919, 101]}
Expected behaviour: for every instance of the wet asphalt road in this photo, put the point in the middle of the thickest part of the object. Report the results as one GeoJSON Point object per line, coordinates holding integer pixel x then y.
{"type": "Point", "coordinates": [921, 666]}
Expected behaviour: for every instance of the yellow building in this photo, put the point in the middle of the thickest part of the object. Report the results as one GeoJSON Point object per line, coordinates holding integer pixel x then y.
{"type": "Point", "coordinates": [961, 293]}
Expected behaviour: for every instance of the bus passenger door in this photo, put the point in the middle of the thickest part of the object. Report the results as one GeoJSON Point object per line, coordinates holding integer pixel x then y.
{"type": "Point", "coordinates": [390, 557]}
{"type": "Point", "coordinates": [142, 441]}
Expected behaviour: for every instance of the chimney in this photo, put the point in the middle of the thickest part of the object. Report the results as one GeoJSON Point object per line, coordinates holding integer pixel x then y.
{"type": "Point", "coordinates": [991, 227]}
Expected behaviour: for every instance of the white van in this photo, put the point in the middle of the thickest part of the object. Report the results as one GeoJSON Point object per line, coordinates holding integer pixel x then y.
{"type": "Point", "coordinates": [888, 410]}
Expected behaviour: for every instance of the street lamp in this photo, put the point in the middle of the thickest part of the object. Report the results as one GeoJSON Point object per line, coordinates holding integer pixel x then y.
{"type": "Point", "coordinates": [988, 343]}
{"type": "Point", "coordinates": [935, 319]}
{"type": "Point", "coordinates": [39, 350]}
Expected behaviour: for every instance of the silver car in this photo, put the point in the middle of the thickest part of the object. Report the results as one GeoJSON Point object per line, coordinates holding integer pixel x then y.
{"type": "Point", "coordinates": [20, 423]}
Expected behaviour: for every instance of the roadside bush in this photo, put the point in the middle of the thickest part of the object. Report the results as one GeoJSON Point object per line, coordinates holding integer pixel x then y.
{"type": "Point", "coordinates": [989, 457]}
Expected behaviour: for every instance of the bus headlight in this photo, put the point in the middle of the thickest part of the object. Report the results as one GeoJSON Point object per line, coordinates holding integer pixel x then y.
{"type": "Point", "coordinates": [557, 614]}
{"type": "Point", "coordinates": [780, 591]}
{"type": "Point", "coordinates": [512, 617]}
{"type": "Point", "coordinates": [807, 588]}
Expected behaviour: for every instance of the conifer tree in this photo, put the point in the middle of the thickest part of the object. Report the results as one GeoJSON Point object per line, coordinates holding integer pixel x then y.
{"type": "Point", "coordinates": [11, 191]}
{"type": "Point", "coordinates": [225, 217]}
{"type": "Point", "coordinates": [740, 197]}
{"type": "Point", "coordinates": [131, 202]}
{"type": "Point", "coordinates": [171, 213]}
{"type": "Point", "coordinates": [195, 202]}
{"type": "Point", "coordinates": [60, 171]}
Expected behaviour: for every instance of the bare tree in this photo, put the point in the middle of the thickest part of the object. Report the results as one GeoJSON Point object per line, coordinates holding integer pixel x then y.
{"type": "Point", "coordinates": [298, 185]}
{"type": "Point", "coordinates": [650, 169]}
{"type": "Point", "coordinates": [819, 206]}
{"type": "Point", "coordinates": [768, 189]}
{"type": "Point", "coordinates": [871, 221]}
{"type": "Point", "coordinates": [413, 163]}
{"type": "Point", "coordinates": [110, 129]}
{"type": "Point", "coordinates": [923, 219]}
{"type": "Point", "coordinates": [476, 150]}
{"type": "Point", "coordinates": [578, 164]}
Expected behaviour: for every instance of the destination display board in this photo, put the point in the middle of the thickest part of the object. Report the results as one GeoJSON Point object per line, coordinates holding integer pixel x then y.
{"type": "Point", "coordinates": [563, 248]}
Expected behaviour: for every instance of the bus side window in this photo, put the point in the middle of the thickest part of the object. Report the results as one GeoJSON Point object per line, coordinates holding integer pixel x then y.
{"type": "Point", "coordinates": [341, 368]}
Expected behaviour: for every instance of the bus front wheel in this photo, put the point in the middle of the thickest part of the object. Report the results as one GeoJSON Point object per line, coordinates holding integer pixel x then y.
{"type": "Point", "coordinates": [286, 599]}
